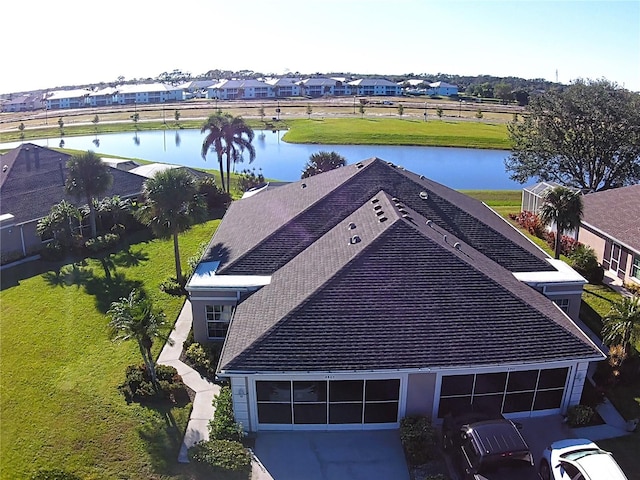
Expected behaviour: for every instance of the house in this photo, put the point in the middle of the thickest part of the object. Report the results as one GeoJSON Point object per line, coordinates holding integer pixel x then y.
{"type": "Point", "coordinates": [319, 87]}
{"type": "Point", "coordinates": [75, 98]}
{"type": "Point", "coordinates": [31, 182]}
{"type": "Point", "coordinates": [285, 87]}
{"type": "Point", "coordinates": [147, 93]}
{"type": "Point", "coordinates": [353, 298]}
{"type": "Point", "coordinates": [611, 226]}
{"type": "Point", "coordinates": [103, 97]}
{"type": "Point", "coordinates": [442, 89]}
{"type": "Point", "coordinates": [150, 170]}
{"type": "Point", "coordinates": [23, 103]}
{"type": "Point", "coordinates": [196, 88]}
{"type": "Point", "coordinates": [240, 89]}
{"type": "Point", "coordinates": [375, 86]}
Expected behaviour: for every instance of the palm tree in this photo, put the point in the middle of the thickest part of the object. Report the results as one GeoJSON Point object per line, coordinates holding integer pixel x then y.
{"type": "Point", "coordinates": [322, 162]}
{"type": "Point", "coordinates": [230, 136]}
{"type": "Point", "coordinates": [563, 207]}
{"type": "Point", "coordinates": [134, 317]}
{"type": "Point", "coordinates": [621, 326]}
{"type": "Point", "coordinates": [60, 223]}
{"type": "Point", "coordinates": [87, 178]}
{"type": "Point", "coordinates": [171, 205]}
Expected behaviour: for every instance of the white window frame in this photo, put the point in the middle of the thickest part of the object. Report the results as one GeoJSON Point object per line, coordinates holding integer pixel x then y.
{"type": "Point", "coordinates": [635, 268]}
{"type": "Point", "coordinates": [563, 304]}
{"type": "Point", "coordinates": [218, 315]}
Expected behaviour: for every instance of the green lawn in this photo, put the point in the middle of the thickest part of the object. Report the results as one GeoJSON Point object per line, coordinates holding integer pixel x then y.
{"type": "Point", "coordinates": [386, 131]}
{"type": "Point", "coordinates": [59, 403]}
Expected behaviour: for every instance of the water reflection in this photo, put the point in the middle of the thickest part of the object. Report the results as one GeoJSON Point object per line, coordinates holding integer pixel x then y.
{"type": "Point", "coordinates": [177, 139]}
{"type": "Point", "coordinates": [136, 139]}
{"type": "Point", "coordinates": [96, 142]}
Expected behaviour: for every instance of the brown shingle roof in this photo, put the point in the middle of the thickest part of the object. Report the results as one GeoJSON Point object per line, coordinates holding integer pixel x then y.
{"type": "Point", "coordinates": [615, 212]}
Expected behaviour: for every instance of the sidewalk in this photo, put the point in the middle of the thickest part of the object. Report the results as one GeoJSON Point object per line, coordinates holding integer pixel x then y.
{"type": "Point", "coordinates": [202, 412]}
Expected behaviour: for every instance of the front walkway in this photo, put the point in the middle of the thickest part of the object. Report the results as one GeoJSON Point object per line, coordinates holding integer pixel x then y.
{"type": "Point", "coordinates": [202, 412]}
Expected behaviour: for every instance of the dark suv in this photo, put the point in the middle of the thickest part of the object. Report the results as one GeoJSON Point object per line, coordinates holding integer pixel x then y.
{"type": "Point", "coordinates": [485, 447]}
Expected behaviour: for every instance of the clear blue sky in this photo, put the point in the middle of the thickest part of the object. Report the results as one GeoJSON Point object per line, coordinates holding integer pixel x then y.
{"type": "Point", "coordinates": [47, 44]}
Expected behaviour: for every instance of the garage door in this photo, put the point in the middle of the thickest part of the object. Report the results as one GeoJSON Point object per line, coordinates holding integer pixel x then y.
{"type": "Point", "coordinates": [523, 391]}
{"type": "Point", "coordinates": [328, 402]}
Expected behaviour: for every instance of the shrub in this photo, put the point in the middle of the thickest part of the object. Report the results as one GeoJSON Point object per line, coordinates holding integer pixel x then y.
{"type": "Point", "coordinates": [579, 415]}
{"type": "Point", "coordinates": [52, 251]}
{"type": "Point", "coordinates": [248, 179]}
{"type": "Point", "coordinates": [175, 288]}
{"type": "Point", "coordinates": [567, 244]}
{"type": "Point", "coordinates": [102, 242]}
{"type": "Point", "coordinates": [584, 261]}
{"type": "Point", "coordinates": [53, 474]}
{"type": "Point", "coordinates": [530, 222]}
{"type": "Point", "coordinates": [633, 287]}
{"type": "Point", "coordinates": [138, 386]}
{"type": "Point", "coordinates": [223, 425]}
{"type": "Point", "coordinates": [213, 196]}
{"type": "Point", "coordinates": [418, 439]}
{"type": "Point", "coordinates": [198, 357]}
{"type": "Point", "coordinates": [221, 454]}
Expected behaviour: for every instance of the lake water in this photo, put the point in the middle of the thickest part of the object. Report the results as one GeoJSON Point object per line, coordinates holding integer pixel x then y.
{"type": "Point", "coordinates": [459, 168]}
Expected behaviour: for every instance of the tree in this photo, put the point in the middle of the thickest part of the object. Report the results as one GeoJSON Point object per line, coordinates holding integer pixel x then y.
{"type": "Point", "coordinates": [586, 136]}
{"type": "Point", "coordinates": [171, 205]}
{"type": "Point", "coordinates": [60, 223]}
{"type": "Point", "coordinates": [479, 114]}
{"type": "Point", "coordinates": [503, 91]}
{"type": "Point", "coordinates": [61, 126]}
{"type": "Point", "coordinates": [21, 128]}
{"type": "Point", "coordinates": [135, 117]}
{"type": "Point", "coordinates": [621, 326]}
{"type": "Point", "coordinates": [230, 136]}
{"type": "Point", "coordinates": [134, 318]}
{"type": "Point", "coordinates": [261, 113]}
{"type": "Point", "coordinates": [309, 111]}
{"type": "Point", "coordinates": [87, 178]}
{"type": "Point", "coordinates": [95, 121]}
{"type": "Point", "coordinates": [563, 207]}
{"type": "Point", "coordinates": [400, 109]}
{"type": "Point", "coordinates": [439, 112]}
{"type": "Point", "coordinates": [322, 162]}
{"type": "Point", "coordinates": [176, 116]}
{"type": "Point", "coordinates": [361, 110]}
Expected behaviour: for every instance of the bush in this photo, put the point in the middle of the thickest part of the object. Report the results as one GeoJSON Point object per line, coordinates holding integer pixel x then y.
{"type": "Point", "coordinates": [138, 386]}
{"type": "Point", "coordinates": [52, 251]}
{"type": "Point", "coordinates": [530, 222]}
{"type": "Point", "coordinates": [418, 439]}
{"type": "Point", "coordinates": [579, 415]}
{"type": "Point", "coordinates": [171, 286]}
{"type": "Point", "coordinates": [53, 474]}
{"type": "Point", "coordinates": [567, 244]}
{"type": "Point", "coordinates": [632, 287]}
{"type": "Point", "coordinates": [584, 261]}
{"type": "Point", "coordinates": [221, 454]}
{"type": "Point", "coordinates": [198, 357]}
{"type": "Point", "coordinates": [248, 179]}
{"type": "Point", "coordinates": [102, 242]}
{"type": "Point", "coordinates": [223, 425]}
{"type": "Point", "coordinates": [213, 196]}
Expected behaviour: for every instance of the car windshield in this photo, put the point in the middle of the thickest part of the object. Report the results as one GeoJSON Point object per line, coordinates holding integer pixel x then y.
{"type": "Point", "coordinates": [578, 454]}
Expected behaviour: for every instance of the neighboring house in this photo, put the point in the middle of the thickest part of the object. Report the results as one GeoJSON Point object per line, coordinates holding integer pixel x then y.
{"type": "Point", "coordinates": [147, 93]}
{"type": "Point", "coordinates": [442, 89]}
{"type": "Point", "coordinates": [61, 99]}
{"type": "Point", "coordinates": [240, 90]}
{"type": "Point", "coordinates": [285, 87]}
{"type": "Point", "coordinates": [151, 169]}
{"type": "Point", "coordinates": [31, 182]}
{"type": "Point", "coordinates": [103, 97]}
{"type": "Point", "coordinates": [375, 86]}
{"type": "Point", "coordinates": [533, 195]}
{"type": "Point", "coordinates": [319, 87]}
{"type": "Point", "coordinates": [196, 88]}
{"type": "Point", "coordinates": [23, 103]}
{"type": "Point", "coordinates": [353, 298]}
{"type": "Point", "coordinates": [611, 226]}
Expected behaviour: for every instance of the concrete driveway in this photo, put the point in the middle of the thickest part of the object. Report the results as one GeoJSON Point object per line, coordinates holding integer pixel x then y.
{"type": "Point", "coordinates": [345, 455]}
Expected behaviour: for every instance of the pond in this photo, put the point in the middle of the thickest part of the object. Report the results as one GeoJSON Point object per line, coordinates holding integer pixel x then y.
{"type": "Point", "coordinates": [459, 168]}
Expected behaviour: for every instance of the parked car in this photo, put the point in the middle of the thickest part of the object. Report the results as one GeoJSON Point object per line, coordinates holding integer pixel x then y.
{"type": "Point", "coordinates": [485, 446]}
{"type": "Point", "coordinates": [578, 459]}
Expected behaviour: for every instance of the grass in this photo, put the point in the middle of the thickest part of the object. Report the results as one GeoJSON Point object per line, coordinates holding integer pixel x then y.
{"type": "Point", "coordinates": [388, 131]}
{"type": "Point", "coordinates": [59, 403]}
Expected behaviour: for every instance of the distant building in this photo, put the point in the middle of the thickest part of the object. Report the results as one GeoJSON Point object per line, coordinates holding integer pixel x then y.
{"type": "Point", "coordinates": [285, 87]}
{"type": "Point", "coordinates": [375, 87]}
{"type": "Point", "coordinates": [23, 103]}
{"type": "Point", "coordinates": [442, 89]}
{"type": "Point", "coordinates": [240, 89]}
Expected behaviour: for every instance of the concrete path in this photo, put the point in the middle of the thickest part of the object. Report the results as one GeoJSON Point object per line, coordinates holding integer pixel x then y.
{"type": "Point", "coordinates": [202, 412]}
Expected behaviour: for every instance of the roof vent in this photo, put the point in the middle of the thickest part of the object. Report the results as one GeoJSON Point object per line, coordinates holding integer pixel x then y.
{"type": "Point", "coordinates": [429, 223]}
{"type": "Point", "coordinates": [304, 185]}
{"type": "Point", "coordinates": [375, 200]}
{"type": "Point", "coordinates": [394, 199]}
{"type": "Point", "coordinates": [359, 165]}
{"type": "Point", "coordinates": [355, 239]}
{"type": "Point", "coordinates": [424, 195]}
{"type": "Point", "coordinates": [379, 212]}
{"type": "Point", "coordinates": [377, 207]}
{"type": "Point", "coordinates": [390, 164]}
{"type": "Point", "coordinates": [352, 225]}
{"type": "Point", "coordinates": [421, 177]}
{"type": "Point", "coordinates": [5, 167]}
{"type": "Point", "coordinates": [402, 210]}
{"type": "Point", "coordinates": [407, 216]}
{"type": "Point", "coordinates": [456, 245]}
{"type": "Point", "coordinates": [444, 238]}
{"type": "Point", "coordinates": [382, 219]}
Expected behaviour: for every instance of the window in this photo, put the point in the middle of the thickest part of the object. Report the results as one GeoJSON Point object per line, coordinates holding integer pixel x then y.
{"type": "Point", "coordinates": [635, 267]}
{"type": "Point", "coordinates": [563, 303]}
{"type": "Point", "coordinates": [218, 317]}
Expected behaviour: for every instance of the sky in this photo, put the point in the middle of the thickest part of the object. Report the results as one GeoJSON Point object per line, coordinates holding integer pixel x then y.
{"type": "Point", "coordinates": [71, 42]}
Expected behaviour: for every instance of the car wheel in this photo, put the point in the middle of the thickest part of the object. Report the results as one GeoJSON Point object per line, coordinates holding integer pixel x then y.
{"type": "Point", "coordinates": [545, 473]}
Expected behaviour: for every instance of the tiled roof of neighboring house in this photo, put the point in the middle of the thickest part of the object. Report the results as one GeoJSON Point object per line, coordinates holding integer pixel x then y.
{"type": "Point", "coordinates": [34, 181]}
{"type": "Point", "coordinates": [108, 91]}
{"type": "Point", "coordinates": [400, 295]}
{"type": "Point", "coordinates": [322, 82]}
{"type": "Point", "coordinates": [239, 84]}
{"type": "Point", "coordinates": [270, 229]}
{"type": "Point", "coordinates": [197, 84]}
{"type": "Point", "coordinates": [442, 85]}
{"type": "Point", "coordinates": [149, 170]}
{"type": "Point", "coordinates": [145, 87]}
{"type": "Point", "coordinates": [283, 82]}
{"type": "Point", "coordinates": [616, 213]}
{"type": "Point", "coordinates": [373, 82]}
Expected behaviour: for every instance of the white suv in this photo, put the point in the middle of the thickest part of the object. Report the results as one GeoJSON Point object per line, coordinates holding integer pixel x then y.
{"type": "Point", "coordinates": [578, 459]}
